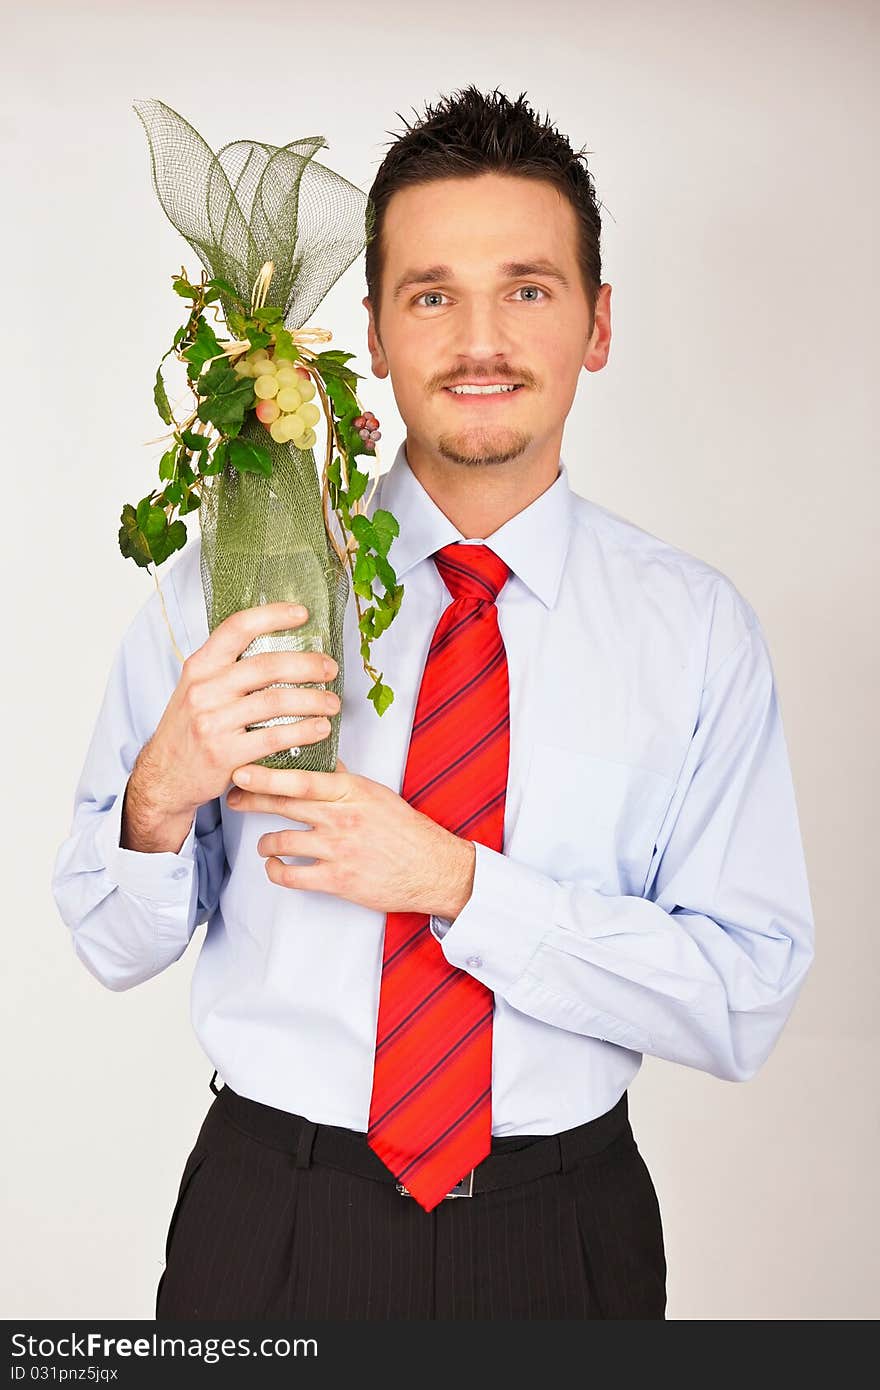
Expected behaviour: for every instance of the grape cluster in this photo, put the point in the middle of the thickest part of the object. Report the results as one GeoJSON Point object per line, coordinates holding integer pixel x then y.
{"type": "Point", "coordinates": [284, 397]}
{"type": "Point", "coordinates": [367, 427]}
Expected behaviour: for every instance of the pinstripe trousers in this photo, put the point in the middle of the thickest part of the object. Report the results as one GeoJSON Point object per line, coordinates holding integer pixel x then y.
{"type": "Point", "coordinates": [260, 1232]}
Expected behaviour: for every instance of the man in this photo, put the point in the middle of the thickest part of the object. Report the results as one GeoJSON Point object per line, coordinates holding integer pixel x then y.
{"type": "Point", "coordinates": [572, 838]}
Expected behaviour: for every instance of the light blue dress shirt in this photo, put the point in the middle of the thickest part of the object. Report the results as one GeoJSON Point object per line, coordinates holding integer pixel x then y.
{"type": "Point", "coordinates": [652, 895]}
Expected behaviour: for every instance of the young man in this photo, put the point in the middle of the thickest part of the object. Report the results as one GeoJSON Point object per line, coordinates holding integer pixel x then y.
{"type": "Point", "coordinates": [572, 839]}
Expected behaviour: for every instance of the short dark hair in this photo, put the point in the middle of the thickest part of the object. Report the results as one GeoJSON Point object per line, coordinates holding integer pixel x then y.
{"type": "Point", "coordinates": [469, 133]}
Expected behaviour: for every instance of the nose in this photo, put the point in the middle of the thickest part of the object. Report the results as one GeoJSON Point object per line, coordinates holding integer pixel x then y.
{"type": "Point", "coordinates": [481, 335]}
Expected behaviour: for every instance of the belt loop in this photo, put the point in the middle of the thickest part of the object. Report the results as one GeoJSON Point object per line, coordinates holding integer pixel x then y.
{"type": "Point", "coordinates": [305, 1143]}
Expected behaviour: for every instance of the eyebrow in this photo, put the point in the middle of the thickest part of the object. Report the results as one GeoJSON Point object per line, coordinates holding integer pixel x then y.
{"type": "Point", "coordinates": [512, 270]}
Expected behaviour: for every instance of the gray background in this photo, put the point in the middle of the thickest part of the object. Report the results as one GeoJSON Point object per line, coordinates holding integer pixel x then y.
{"type": "Point", "coordinates": [732, 148]}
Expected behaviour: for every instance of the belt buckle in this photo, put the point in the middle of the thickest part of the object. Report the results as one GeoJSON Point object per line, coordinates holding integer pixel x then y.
{"type": "Point", "coordinates": [463, 1188]}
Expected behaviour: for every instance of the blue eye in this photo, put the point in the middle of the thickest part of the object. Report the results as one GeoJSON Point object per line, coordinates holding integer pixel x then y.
{"type": "Point", "coordinates": [532, 287]}
{"type": "Point", "coordinates": [435, 293]}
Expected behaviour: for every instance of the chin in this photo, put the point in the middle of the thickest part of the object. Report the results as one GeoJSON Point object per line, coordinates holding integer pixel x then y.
{"type": "Point", "coordinates": [475, 447]}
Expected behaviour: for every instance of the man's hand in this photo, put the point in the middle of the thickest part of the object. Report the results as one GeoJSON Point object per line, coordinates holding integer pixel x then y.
{"type": "Point", "coordinates": [369, 844]}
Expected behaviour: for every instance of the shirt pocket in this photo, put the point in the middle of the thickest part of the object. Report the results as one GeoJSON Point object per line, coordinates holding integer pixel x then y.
{"type": "Point", "coordinates": [586, 816]}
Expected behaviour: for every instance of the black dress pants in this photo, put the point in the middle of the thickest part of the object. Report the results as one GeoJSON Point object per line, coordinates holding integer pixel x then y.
{"type": "Point", "coordinates": [271, 1222]}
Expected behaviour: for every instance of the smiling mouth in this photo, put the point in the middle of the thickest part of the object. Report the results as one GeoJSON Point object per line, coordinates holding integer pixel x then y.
{"type": "Point", "coordinates": [489, 392]}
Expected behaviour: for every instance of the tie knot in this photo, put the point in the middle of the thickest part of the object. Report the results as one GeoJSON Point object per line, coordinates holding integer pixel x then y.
{"type": "Point", "coordinates": [471, 571]}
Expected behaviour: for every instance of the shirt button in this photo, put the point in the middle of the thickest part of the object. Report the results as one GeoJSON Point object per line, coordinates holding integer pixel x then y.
{"type": "Point", "coordinates": [180, 873]}
{"type": "Point", "coordinates": [475, 961]}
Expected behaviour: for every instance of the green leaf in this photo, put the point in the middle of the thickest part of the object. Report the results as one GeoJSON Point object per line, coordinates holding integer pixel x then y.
{"type": "Point", "coordinates": [331, 365]}
{"type": "Point", "coordinates": [172, 538]}
{"type": "Point", "coordinates": [385, 572]}
{"type": "Point", "coordinates": [267, 315]}
{"type": "Point", "coordinates": [258, 338]}
{"type": "Point", "coordinates": [357, 484]}
{"type": "Point", "coordinates": [227, 397]}
{"type": "Point", "coordinates": [190, 503]}
{"type": "Point", "coordinates": [237, 324]}
{"type": "Point", "coordinates": [364, 533]}
{"type": "Point", "coordinates": [156, 524]}
{"type": "Point", "coordinates": [161, 399]}
{"type": "Point", "coordinates": [218, 460]}
{"type": "Point", "coordinates": [285, 347]}
{"type": "Point", "coordinates": [250, 458]}
{"type": "Point", "coordinates": [185, 289]}
{"type": "Point", "coordinates": [166, 464]}
{"type": "Point", "coordinates": [174, 493]}
{"type": "Point", "coordinates": [221, 287]}
{"type": "Point", "coordinates": [345, 404]}
{"type": "Point", "coordinates": [195, 442]}
{"type": "Point", "coordinates": [131, 540]}
{"type": "Point", "coordinates": [364, 573]}
{"type": "Point", "coordinates": [381, 695]}
{"type": "Point", "coordinates": [204, 346]}
{"type": "Point", "coordinates": [386, 528]}
{"type": "Point", "coordinates": [185, 472]}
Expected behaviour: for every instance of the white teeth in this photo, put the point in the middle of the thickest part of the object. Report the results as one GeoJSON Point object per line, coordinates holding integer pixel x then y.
{"type": "Point", "coordinates": [479, 390]}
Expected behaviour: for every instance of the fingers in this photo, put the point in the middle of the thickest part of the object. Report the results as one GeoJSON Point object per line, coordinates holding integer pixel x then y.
{"type": "Point", "coordinates": [231, 637]}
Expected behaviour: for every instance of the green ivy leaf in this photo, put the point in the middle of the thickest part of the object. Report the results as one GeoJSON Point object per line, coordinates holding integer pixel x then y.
{"type": "Point", "coordinates": [267, 315]}
{"type": "Point", "coordinates": [161, 399]}
{"type": "Point", "coordinates": [218, 460]}
{"type": "Point", "coordinates": [386, 527]}
{"type": "Point", "coordinates": [385, 572]}
{"type": "Point", "coordinates": [227, 397]}
{"type": "Point", "coordinates": [195, 442]}
{"type": "Point", "coordinates": [331, 365]}
{"type": "Point", "coordinates": [166, 464]}
{"type": "Point", "coordinates": [381, 695]}
{"type": "Point", "coordinates": [364, 533]}
{"type": "Point", "coordinates": [131, 540]}
{"type": "Point", "coordinates": [357, 484]}
{"type": "Point", "coordinates": [185, 289]}
{"type": "Point", "coordinates": [285, 347]}
{"type": "Point", "coordinates": [250, 458]}
{"type": "Point", "coordinates": [217, 286]}
{"type": "Point", "coordinates": [204, 346]}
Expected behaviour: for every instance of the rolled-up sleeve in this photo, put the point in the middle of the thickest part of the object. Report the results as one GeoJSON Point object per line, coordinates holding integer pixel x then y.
{"type": "Point", "coordinates": [131, 914]}
{"type": "Point", "coordinates": [705, 967]}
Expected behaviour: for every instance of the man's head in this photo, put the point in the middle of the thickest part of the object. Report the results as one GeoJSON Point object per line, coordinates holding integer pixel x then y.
{"type": "Point", "coordinates": [483, 266]}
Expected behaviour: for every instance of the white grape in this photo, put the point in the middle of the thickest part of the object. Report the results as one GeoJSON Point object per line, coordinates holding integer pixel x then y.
{"type": "Point", "coordinates": [265, 387]}
{"type": "Point", "coordinates": [306, 388]}
{"type": "Point", "coordinates": [289, 398]}
{"type": "Point", "coordinates": [278, 430]}
{"type": "Point", "coordinates": [295, 426]}
{"type": "Point", "coordinates": [309, 413]}
{"type": "Point", "coordinates": [307, 440]}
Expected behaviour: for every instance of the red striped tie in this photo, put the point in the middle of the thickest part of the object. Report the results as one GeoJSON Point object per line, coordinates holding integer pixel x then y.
{"type": "Point", "coordinates": [430, 1112]}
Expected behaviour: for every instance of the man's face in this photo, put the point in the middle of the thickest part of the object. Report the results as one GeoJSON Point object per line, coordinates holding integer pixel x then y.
{"type": "Point", "coordinates": [468, 296]}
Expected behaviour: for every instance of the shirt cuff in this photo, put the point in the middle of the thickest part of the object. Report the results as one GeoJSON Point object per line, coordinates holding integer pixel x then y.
{"type": "Point", "coordinates": [503, 922]}
{"type": "Point", "coordinates": [164, 877]}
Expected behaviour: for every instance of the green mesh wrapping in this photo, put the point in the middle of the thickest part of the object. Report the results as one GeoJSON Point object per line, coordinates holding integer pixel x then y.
{"type": "Point", "coordinates": [265, 539]}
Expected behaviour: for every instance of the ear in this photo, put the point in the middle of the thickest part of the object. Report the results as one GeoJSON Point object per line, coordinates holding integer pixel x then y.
{"type": "Point", "coordinates": [377, 356]}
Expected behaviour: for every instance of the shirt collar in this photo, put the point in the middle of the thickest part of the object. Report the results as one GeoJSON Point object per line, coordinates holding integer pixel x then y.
{"type": "Point", "coordinates": [533, 544]}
